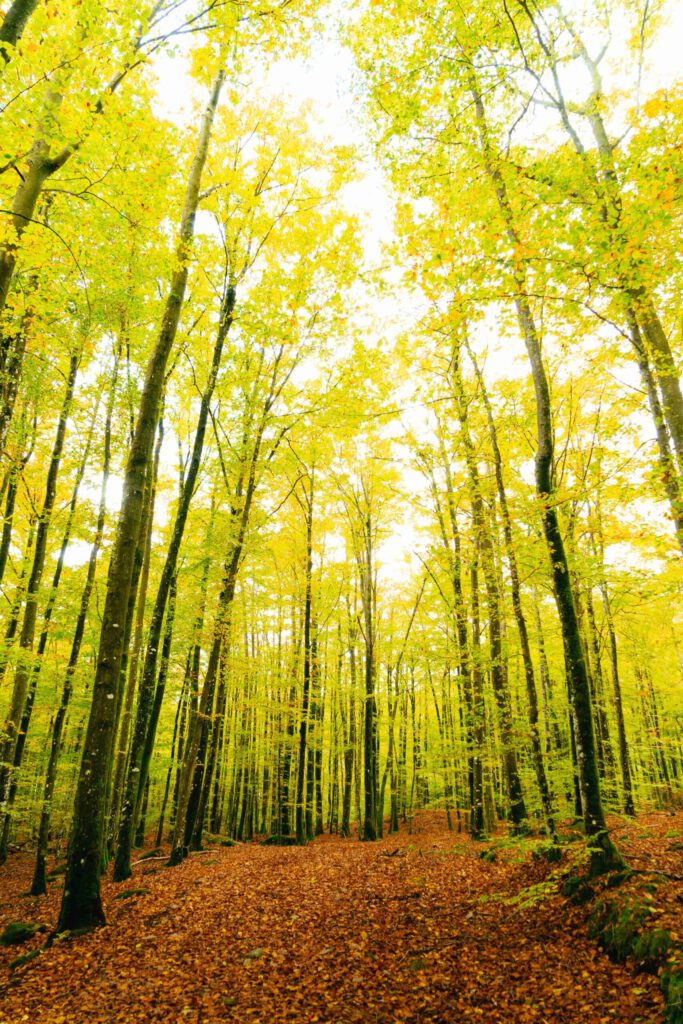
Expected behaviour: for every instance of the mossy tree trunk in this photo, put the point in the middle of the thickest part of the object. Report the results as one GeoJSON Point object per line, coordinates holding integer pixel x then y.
{"type": "Point", "coordinates": [603, 854]}
{"type": "Point", "coordinates": [547, 799]}
{"type": "Point", "coordinates": [143, 737]}
{"type": "Point", "coordinates": [38, 885]}
{"type": "Point", "coordinates": [81, 903]}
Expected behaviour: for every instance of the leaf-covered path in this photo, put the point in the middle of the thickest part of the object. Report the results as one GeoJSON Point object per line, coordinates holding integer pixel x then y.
{"type": "Point", "coordinates": [413, 928]}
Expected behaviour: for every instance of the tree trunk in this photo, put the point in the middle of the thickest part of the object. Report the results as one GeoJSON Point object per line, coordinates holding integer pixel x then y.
{"type": "Point", "coordinates": [22, 673]}
{"type": "Point", "coordinates": [627, 785]}
{"type": "Point", "coordinates": [301, 835]}
{"type": "Point", "coordinates": [38, 886]}
{"type": "Point", "coordinates": [81, 904]}
{"type": "Point", "coordinates": [513, 786]}
{"type": "Point", "coordinates": [42, 644]}
{"type": "Point", "coordinates": [13, 25]}
{"type": "Point", "coordinates": [520, 619]}
{"type": "Point", "coordinates": [137, 773]}
{"type": "Point", "coordinates": [603, 854]}
{"type": "Point", "coordinates": [137, 601]}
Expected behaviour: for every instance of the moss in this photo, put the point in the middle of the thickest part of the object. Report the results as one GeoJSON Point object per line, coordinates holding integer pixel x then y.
{"type": "Point", "coordinates": [617, 923]}
{"type": "Point", "coordinates": [617, 878]}
{"type": "Point", "coordinates": [620, 924]}
{"type": "Point", "coordinates": [178, 855]}
{"type": "Point", "coordinates": [279, 841]}
{"type": "Point", "coordinates": [571, 885]}
{"type": "Point", "coordinates": [19, 931]}
{"type": "Point", "coordinates": [672, 987]}
{"type": "Point", "coordinates": [156, 852]}
{"type": "Point", "coordinates": [128, 893]}
{"type": "Point", "coordinates": [24, 958]}
{"type": "Point", "coordinates": [75, 933]}
{"type": "Point", "coordinates": [549, 852]}
{"type": "Point", "coordinates": [578, 890]}
{"type": "Point", "coordinates": [652, 947]}
{"type": "Point", "coordinates": [489, 856]}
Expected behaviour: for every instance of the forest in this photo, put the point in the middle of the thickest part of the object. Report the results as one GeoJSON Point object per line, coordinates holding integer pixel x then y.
{"type": "Point", "coordinates": [341, 511]}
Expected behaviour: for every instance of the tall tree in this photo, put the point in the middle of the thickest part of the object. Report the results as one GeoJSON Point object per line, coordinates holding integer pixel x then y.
{"type": "Point", "coordinates": [81, 904]}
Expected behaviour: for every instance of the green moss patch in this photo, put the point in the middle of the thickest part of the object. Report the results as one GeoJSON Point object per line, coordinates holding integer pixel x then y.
{"type": "Point", "coordinates": [549, 852]}
{"type": "Point", "coordinates": [129, 893]}
{"type": "Point", "coordinates": [19, 931]}
{"type": "Point", "coordinates": [616, 923]}
{"type": "Point", "coordinates": [156, 852]}
{"type": "Point", "coordinates": [279, 841]}
{"type": "Point", "coordinates": [578, 890]}
{"type": "Point", "coordinates": [672, 987]}
{"type": "Point", "coordinates": [622, 924]}
{"type": "Point", "coordinates": [25, 958]}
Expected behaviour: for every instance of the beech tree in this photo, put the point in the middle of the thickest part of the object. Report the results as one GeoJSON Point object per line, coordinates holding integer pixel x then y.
{"type": "Point", "coordinates": [316, 517]}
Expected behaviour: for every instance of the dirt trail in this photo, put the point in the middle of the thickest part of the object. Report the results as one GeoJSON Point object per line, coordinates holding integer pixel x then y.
{"type": "Point", "coordinates": [410, 929]}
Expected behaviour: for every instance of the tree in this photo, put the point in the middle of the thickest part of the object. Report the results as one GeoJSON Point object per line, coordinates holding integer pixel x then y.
{"type": "Point", "coordinates": [81, 904]}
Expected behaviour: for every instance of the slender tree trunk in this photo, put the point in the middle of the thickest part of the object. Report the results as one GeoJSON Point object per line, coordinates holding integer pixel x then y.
{"type": "Point", "coordinates": [349, 728]}
{"type": "Point", "coordinates": [137, 602]}
{"type": "Point", "coordinates": [23, 670]}
{"type": "Point", "coordinates": [513, 785]}
{"type": "Point", "coordinates": [478, 714]}
{"type": "Point", "coordinates": [603, 854]}
{"type": "Point", "coordinates": [313, 736]}
{"type": "Point", "coordinates": [42, 643]}
{"type": "Point", "coordinates": [669, 472]}
{"type": "Point", "coordinates": [175, 744]}
{"type": "Point", "coordinates": [12, 351]}
{"type": "Point", "coordinates": [301, 831]}
{"type": "Point", "coordinates": [137, 775]}
{"type": "Point", "coordinates": [627, 785]}
{"type": "Point", "coordinates": [81, 904]}
{"type": "Point", "coordinates": [221, 632]}
{"type": "Point", "coordinates": [520, 619]}
{"type": "Point", "coordinates": [15, 473]}
{"type": "Point", "coordinates": [211, 760]}
{"type": "Point", "coordinates": [17, 602]}
{"type": "Point", "coordinates": [38, 886]}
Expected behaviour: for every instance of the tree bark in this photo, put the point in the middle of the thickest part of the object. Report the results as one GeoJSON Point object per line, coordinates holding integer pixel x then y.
{"type": "Point", "coordinates": [13, 25]}
{"type": "Point", "coordinates": [27, 635]}
{"type": "Point", "coordinates": [513, 785]}
{"type": "Point", "coordinates": [81, 903]}
{"type": "Point", "coordinates": [520, 619]}
{"type": "Point", "coordinates": [603, 854]}
{"type": "Point", "coordinates": [38, 885]}
{"type": "Point", "coordinates": [42, 642]}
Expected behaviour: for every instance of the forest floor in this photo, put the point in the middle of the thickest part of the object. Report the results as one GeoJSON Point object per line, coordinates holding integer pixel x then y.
{"type": "Point", "coordinates": [413, 928]}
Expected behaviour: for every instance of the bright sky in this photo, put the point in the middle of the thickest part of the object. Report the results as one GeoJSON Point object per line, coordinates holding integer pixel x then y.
{"type": "Point", "coordinates": [324, 81]}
